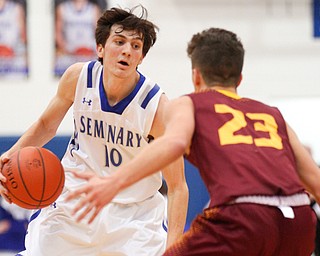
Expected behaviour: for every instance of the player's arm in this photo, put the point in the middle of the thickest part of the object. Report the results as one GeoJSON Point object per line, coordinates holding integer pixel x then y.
{"type": "Point", "coordinates": [99, 191]}
{"type": "Point", "coordinates": [308, 170]}
{"type": "Point", "coordinates": [45, 127]}
{"type": "Point", "coordinates": [177, 197]}
{"type": "Point", "coordinates": [178, 194]}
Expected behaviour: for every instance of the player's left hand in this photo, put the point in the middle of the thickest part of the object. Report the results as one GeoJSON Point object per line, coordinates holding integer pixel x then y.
{"type": "Point", "coordinates": [94, 195]}
{"type": "Point", "coordinates": [3, 191]}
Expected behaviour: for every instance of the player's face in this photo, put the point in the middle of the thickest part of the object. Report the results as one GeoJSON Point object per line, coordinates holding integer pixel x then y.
{"type": "Point", "coordinates": [122, 52]}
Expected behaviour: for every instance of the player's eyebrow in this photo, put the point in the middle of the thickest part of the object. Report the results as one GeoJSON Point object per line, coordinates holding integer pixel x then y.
{"type": "Point", "coordinates": [135, 36]}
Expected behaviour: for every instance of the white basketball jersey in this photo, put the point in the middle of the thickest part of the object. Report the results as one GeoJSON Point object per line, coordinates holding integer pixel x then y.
{"type": "Point", "coordinates": [9, 28]}
{"type": "Point", "coordinates": [107, 136]}
{"type": "Point", "coordinates": [79, 26]}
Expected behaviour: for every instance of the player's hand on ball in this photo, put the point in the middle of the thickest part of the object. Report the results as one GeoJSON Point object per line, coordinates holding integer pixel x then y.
{"type": "Point", "coordinates": [97, 192]}
{"type": "Point", "coordinates": [3, 159]}
{"type": "Point", "coordinates": [3, 191]}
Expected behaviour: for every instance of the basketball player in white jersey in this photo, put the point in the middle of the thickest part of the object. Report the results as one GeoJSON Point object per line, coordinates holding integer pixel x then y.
{"type": "Point", "coordinates": [117, 111]}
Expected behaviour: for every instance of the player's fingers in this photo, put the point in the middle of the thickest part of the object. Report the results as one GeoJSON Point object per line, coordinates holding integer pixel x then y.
{"type": "Point", "coordinates": [3, 159]}
{"type": "Point", "coordinates": [82, 204]}
{"type": "Point", "coordinates": [94, 215]}
{"type": "Point", "coordinates": [7, 198]}
{"type": "Point", "coordinates": [85, 212]}
{"type": "Point", "coordinates": [78, 206]}
{"type": "Point", "coordinates": [76, 193]}
{"type": "Point", "coordinates": [2, 178]}
{"type": "Point", "coordinates": [85, 175]}
{"type": "Point", "coordinates": [5, 194]}
{"type": "Point", "coordinates": [3, 190]}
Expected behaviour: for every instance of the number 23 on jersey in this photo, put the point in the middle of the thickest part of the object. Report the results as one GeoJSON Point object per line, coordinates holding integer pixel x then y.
{"type": "Point", "coordinates": [262, 122]}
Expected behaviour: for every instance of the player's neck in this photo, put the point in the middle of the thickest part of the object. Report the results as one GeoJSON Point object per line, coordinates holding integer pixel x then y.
{"type": "Point", "coordinates": [117, 89]}
{"type": "Point", "coordinates": [218, 88]}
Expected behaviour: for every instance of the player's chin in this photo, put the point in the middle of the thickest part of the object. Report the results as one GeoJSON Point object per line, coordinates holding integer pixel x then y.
{"type": "Point", "coordinates": [125, 70]}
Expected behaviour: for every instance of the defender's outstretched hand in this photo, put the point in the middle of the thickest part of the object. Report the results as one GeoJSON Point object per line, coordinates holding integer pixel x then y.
{"type": "Point", "coordinates": [98, 192]}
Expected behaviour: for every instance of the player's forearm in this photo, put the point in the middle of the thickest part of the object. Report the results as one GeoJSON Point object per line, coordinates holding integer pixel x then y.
{"type": "Point", "coordinates": [36, 135]}
{"type": "Point", "coordinates": [151, 159]}
{"type": "Point", "coordinates": [177, 213]}
{"type": "Point", "coordinates": [310, 182]}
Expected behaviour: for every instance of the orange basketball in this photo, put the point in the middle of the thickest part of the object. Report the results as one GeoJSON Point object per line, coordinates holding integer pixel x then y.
{"type": "Point", "coordinates": [35, 177]}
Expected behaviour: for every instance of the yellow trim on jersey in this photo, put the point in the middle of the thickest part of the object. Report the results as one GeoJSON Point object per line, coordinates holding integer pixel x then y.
{"type": "Point", "coordinates": [230, 94]}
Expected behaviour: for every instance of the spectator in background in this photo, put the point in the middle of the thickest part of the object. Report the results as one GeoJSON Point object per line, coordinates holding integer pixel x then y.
{"type": "Point", "coordinates": [103, 4]}
{"type": "Point", "coordinates": [13, 38]}
{"type": "Point", "coordinates": [12, 27]}
{"type": "Point", "coordinates": [75, 23]}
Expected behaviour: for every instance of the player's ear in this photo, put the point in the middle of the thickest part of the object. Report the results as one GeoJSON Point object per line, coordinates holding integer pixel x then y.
{"type": "Point", "coordinates": [196, 79]}
{"type": "Point", "coordinates": [239, 81]}
{"type": "Point", "coordinates": [100, 50]}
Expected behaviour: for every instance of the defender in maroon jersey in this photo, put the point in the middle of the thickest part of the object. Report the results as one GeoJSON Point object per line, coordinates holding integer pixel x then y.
{"type": "Point", "coordinates": [255, 168]}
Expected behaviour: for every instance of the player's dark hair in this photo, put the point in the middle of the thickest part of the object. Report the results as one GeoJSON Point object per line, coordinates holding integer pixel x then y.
{"type": "Point", "coordinates": [128, 21]}
{"type": "Point", "coordinates": [218, 54]}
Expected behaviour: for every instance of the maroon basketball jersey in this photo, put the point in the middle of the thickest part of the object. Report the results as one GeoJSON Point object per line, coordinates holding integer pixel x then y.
{"type": "Point", "coordinates": [241, 147]}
